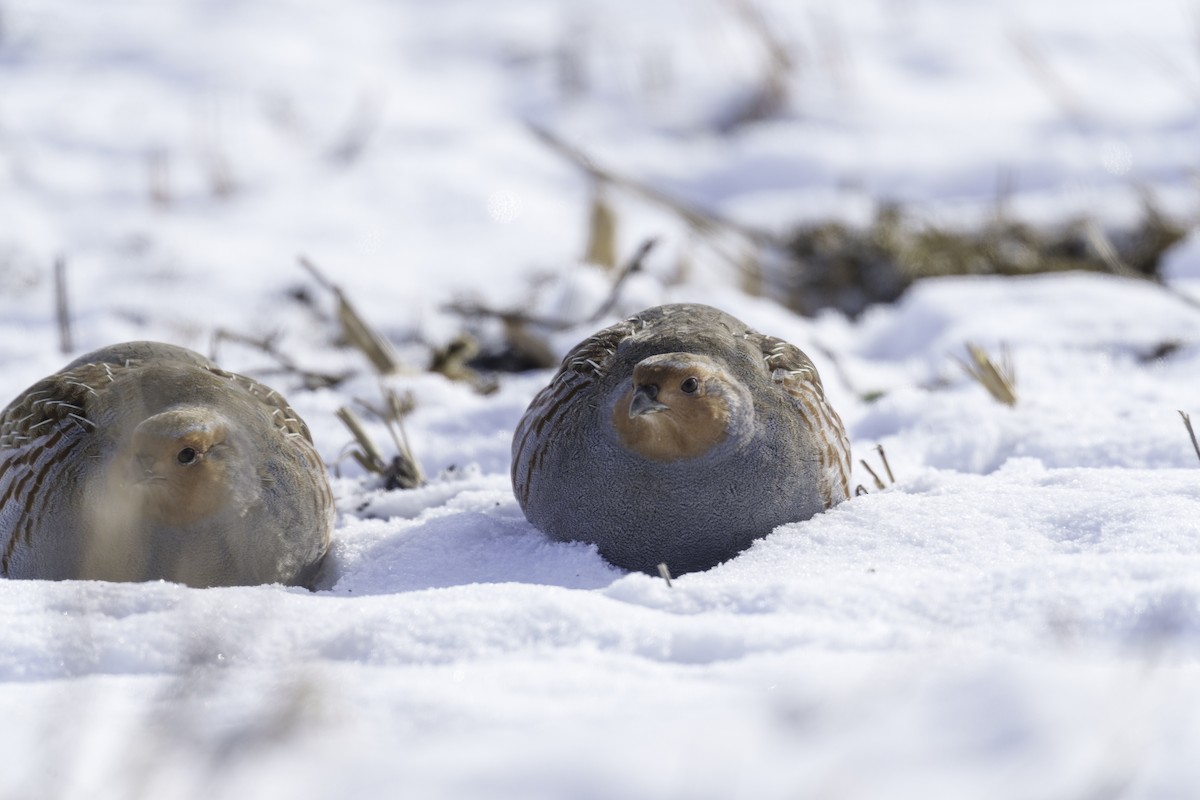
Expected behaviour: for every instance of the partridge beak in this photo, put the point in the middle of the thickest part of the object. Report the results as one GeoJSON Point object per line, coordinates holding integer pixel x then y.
{"type": "Point", "coordinates": [146, 469]}
{"type": "Point", "coordinates": [146, 462]}
{"type": "Point", "coordinates": [643, 401]}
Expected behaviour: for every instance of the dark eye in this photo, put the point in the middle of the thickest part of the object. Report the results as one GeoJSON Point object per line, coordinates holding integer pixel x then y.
{"type": "Point", "coordinates": [689, 386]}
{"type": "Point", "coordinates": [186, 456]}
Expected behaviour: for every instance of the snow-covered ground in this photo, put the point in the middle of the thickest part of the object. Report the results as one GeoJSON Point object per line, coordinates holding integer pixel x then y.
{"type": "Point", "coordinates": [1018, 616]}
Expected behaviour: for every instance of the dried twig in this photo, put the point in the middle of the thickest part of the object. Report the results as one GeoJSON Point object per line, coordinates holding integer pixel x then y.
{"type": "Point", "coordinates": [369, 457]}
{"type": "Point", "coordinates": [778, 53]}
{"type": "Point", "coordinates": [361, 126]}
{"type": "Point", "coordinates": [217, 167]}
{"type": "Point", "coordinates": [634, 264]}
{"type": "Point", "coordinates": [860, 490]}
{"type": "Point", "coordinates": [61, 307]}
{"type": "Point", "coordinates": [886, 466]}
{"type": "Point", "coordinates": [878, 483]}
{"type": "Point", "coordinates": [698, 218]}
{"type": "Point", "coordinates": [452, 361]}
{"type": "Point", "coordinates": [665, 574]}
{"type": "Point", "coordinates": [1103, 247]}
{"type": "Point", "coordinates": [771, 95]}
{"type": "Point", "coordinates": [525, 347]}
{"type": "Point", "coordinates": [158, 175]}
{"type": "Point", "coordinates": [999, 379]}
{"type": "Point", "coordinates": [312, 380]}
{"type": "Point", "coordinates": [1187, 423]}
{"type": "Point", "coordinates": [1034, 57]}
{"type": "Point", "coordinates": [373, 345]}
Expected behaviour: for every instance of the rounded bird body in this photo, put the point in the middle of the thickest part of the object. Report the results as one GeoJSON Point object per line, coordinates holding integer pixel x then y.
{"type": "Point", "coordinates": [678, 436]}
{"type": "Point", "coordinates": [146, 461]}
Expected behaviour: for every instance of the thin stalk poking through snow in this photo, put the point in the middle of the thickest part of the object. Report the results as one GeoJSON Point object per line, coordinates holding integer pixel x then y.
{"type": "Point", "coordinates": [1187, 423]}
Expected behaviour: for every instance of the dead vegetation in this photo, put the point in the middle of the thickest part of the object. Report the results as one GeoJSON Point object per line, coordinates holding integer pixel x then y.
{"type": "Point", "coordinates": [836, 265]}
{"type": "Point", "coordinates": [62, 307]}
{"type": "Point", "coordinates": [1187, 423]}
{"type": "Point", "coordinates": [401, 471]}
{"type": "Point", "coordinates": [879, 484]}
{"type": "Point", "coordinates": [351, 329]}
{"type": "Point", "coordinates": [525, 346]}
{"type": "Point", "coordinates": [997, 376]}
{"type": "Point", "coordinates": [773, 89]}
{"type": "Point", "coordinates": [355, 330]}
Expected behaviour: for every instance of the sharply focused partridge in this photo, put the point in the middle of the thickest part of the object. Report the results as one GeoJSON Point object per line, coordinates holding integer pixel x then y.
{"type": "Point", "coordinates": [145, 461]}
{"type": "Point", "coordinates": [678, 436]}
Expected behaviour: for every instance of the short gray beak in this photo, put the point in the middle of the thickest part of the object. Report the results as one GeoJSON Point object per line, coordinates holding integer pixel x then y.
{"type": "Point", "coordinates": [643, 401]}
{"type": "Point", "coordinates": [147, 463]}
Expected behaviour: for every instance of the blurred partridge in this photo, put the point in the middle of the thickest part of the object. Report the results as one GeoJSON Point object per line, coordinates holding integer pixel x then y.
{"type": "Point", "coordinates": [145, 461]}
{"type": "Point", "coordinates": [678, 436]}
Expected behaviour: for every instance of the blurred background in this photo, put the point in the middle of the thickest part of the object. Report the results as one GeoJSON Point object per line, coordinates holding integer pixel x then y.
{"type": "Point", "coordinates": [821, 154]}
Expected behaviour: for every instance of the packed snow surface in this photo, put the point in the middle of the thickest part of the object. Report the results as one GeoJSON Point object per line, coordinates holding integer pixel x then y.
{"type": "Point", "coordinates": [1017, 615]}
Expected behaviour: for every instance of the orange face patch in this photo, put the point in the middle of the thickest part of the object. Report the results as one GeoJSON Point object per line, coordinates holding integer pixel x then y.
{"type": "Point", "coordinates": [692, 423]}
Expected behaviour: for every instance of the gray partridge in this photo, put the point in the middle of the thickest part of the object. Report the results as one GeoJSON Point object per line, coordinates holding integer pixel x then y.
{"type": "Point", "coordinates": [145, 461]}
{"type": "Point", "coordinates": [678, 436]}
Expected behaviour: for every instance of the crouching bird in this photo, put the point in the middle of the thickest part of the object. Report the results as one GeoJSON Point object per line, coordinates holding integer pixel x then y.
{"type": "Point", "coordinates": [145, 461]}
{"type": "Point", "coordinates": [678, 436]}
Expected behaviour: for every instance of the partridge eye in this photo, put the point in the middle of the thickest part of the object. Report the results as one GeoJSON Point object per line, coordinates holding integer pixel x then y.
{"type": "Point", "coordinates": [689, 386]}
{"type": "Point", "coordinates": [186, 456]}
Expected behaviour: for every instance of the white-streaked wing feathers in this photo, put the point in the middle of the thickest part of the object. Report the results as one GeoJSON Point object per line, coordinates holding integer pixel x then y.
{"type": "Point", "coordinates": [793, 372]}
{"type": "Point", "coordinates": [39, 432]}
{"type": "Point", "coordinates": [581, 368]}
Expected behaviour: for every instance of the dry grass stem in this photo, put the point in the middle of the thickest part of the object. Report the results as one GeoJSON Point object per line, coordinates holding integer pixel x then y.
{"type": "Point", "coordinates": [402, 471]}
{"type": "Point", "coordinates": [219, 171]}
{"type": "Point", "coordinates": [771, 94]}
{"type": "Point", "coordinates": [528, 346]}
{"type": "Point", "coordinates": [878, 483]}
{"type": "Point", "coordinates": [216, 165]}
{"type": "Point", "coordinates": [697, 218]}
{"type": "Point", "coordinates": [570, 60]}
{"type": "Point", "coordinates": [266, 345]}
{"type": "Point", "coordinates": [887, 467]}
{"type": "Point", "coordinates": [633, 265]}
{"type": "Point", "coordinates": [1187, 423]}
{"type": "Point", "coordinates": [601, 246]}
{"type": "Point", "coordinates": [665, 573]}
{"type": "Point", "coordinates": [999, 379]}
{"type": "Point", "coordinates": [158, 175]}
{"type": "Point", "coordinates": [453, 360]}
{"type": "Point", "coordinates": [1104, 249]}
{"type": "Point", "coordinates": [363, 122]}
{"type": "Point", "coordinates": [373, 345]}
{"type": "Point", "coordinates": [524, 346]}
{"type": "Point", "coordinates": [369, 456]}
{"type": "Point", "coordinates": [62, 307]}
{"type": "Point", "coordinates": [751, 272]}
{"type": "Point", "coordinates": [1034, 58]}
{"type": "Point", "coordinates": [832, 264]}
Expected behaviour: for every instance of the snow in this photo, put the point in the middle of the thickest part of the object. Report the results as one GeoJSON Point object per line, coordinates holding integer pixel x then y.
{"type": "Point", "coordinates": [1018, 616]}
